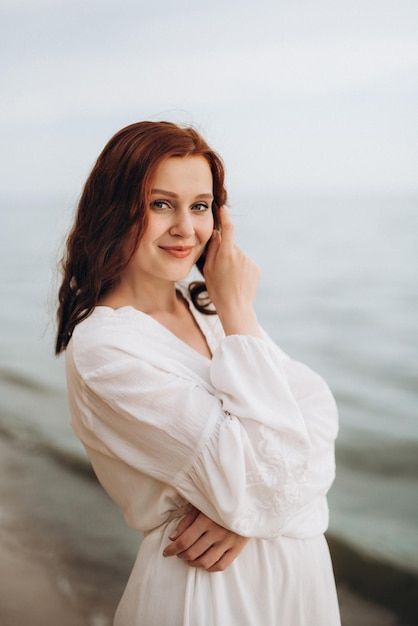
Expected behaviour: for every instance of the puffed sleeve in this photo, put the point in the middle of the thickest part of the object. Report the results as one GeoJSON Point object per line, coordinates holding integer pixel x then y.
{"type": "Point", "coordinates": [238, 452]}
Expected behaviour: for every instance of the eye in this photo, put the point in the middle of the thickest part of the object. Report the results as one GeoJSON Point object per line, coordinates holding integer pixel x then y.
{"type": "Point", "coordinates": [160, 205]}
{"type": "Point", "coordinates": [200, 207]}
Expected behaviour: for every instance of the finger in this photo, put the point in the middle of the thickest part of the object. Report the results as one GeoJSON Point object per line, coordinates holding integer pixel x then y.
{"type": "Point", "coordinates": [223, 562]}
{"type": "Point", "coordinates": [187, 539]}
{"type": "Point", "coordinates": [198, 539]}
{"type": "Point", "coordinates": [209, 548]}
{"type": "Point", "coordinates": [228, 555]}
{"type": "Point", "coordinates": [213, 247]}
{"type": "Point", "coordinates": [201, 547]}
{"type": "Point", "coordinates": [183, 543]}
{"type": "Point", "coordinates": [208, 559]}
{"type": "Point", "coordinates": [227, 227]}
{"type": "Point", "coordinates": [184, 523]}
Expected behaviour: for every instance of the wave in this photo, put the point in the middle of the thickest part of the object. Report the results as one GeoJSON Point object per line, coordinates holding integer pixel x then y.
{"type": "Point", "coordinates": [22, 380]}
{"type": "Point", "coordinates": [377, 579]}
{"type": "Point", "coordinates": [380, 457]}
{"type": "Point", "coordinates": [71, 458]}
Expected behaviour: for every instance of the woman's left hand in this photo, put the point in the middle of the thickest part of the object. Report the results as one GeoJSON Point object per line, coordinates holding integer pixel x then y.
{"type": "Point", "coordinates": [202, 543]}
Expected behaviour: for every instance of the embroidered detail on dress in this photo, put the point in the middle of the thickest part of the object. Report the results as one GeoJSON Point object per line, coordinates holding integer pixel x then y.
{"type": "Point", "coordinates": [281, 468]}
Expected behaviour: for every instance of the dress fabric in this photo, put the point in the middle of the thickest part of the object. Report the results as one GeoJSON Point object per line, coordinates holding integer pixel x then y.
{"type": "Point", "coordinates": [246, 437]}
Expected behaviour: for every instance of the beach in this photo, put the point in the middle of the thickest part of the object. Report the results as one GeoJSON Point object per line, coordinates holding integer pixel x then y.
{"type": "Point", "coordinates": [66, 552]}
{"type": "Point", "coordinates": [343, 300]}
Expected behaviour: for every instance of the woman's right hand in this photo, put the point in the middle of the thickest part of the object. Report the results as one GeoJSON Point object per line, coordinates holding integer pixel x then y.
{"type": "Point", "coordinates": [231, 279]}
{"type": "Point", "coordinates": [204, 544]}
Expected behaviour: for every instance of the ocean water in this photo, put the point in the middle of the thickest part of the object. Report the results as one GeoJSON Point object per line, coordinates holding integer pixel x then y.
{"type": "Point", "coordinates": [339, 291]}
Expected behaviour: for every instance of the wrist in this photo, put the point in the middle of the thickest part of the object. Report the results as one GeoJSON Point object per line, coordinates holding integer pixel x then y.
{"type": "Point", "coordinates": [240, 322]}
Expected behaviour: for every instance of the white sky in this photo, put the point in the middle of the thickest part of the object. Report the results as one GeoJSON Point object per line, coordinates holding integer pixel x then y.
{"type": "Point", "coordinates": [295, 95]}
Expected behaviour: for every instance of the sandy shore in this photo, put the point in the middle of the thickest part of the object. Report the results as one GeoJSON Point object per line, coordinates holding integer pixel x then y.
{"type": "Point", "coordinates": [65, 553]}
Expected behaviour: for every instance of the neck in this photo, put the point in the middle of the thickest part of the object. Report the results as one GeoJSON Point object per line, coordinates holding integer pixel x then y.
{"type": "Point", "coordinates": [151, 298]}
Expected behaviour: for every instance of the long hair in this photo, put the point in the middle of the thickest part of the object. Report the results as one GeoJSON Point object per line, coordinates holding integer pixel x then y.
{"type": "Point", "coordinates": [113, 206]}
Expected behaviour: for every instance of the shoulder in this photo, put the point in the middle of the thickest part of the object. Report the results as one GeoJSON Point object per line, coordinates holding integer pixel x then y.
{"type": "Point", "coordinates": [105, 324]}
{"type": "Point", "coordinates": [107, 336]}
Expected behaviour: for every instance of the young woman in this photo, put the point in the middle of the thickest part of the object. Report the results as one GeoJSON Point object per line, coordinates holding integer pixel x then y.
{"type": "Point", "coordinates": [190, 416]}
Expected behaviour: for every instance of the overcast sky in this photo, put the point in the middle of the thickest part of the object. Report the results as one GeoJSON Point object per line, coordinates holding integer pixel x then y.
{"type": "Point", "coordinates": [295, 95]}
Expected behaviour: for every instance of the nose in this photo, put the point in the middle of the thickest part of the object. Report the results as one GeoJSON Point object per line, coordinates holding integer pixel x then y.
{"type": "Point", "coordinates": [182, 225]}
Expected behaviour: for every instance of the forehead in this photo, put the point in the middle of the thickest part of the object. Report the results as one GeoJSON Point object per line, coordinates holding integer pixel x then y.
{"type": "Point", "coordinates": [180, 173]}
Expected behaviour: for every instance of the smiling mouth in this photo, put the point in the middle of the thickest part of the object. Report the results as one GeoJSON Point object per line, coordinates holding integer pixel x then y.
{"type": "Point", "coordinates": [179, 252]}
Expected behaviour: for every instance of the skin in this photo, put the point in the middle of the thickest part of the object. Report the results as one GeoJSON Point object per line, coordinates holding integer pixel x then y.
{"type": "Point", "coordinates": [180, 226]}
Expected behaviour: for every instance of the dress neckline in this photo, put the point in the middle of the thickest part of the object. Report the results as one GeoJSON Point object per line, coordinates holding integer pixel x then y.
{"type": "Point", "coordinates": [199, 318]}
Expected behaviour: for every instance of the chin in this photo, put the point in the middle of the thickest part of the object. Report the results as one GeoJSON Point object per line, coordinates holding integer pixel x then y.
{"type": "Point", "coordinates": [176, 273]}
{"type": "Point", "coordinates": [175, 277]}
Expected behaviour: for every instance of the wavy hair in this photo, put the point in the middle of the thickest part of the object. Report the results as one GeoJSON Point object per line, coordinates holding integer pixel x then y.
{"type": "Point", "coordinates": [113, 205]}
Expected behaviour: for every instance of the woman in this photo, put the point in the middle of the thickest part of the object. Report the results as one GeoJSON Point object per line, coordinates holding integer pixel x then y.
{"type": "Point", "coordinates": [190, 415]}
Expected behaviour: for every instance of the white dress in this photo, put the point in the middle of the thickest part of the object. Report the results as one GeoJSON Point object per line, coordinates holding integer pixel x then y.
{"type": "Point", "coordinates": [247, 438]}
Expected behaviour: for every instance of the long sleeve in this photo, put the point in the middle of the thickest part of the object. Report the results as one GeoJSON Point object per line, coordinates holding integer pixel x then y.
{"type": "Point", "coordinates": [263, 445]}
{"type": "Point", "coordinates": [237, 449]}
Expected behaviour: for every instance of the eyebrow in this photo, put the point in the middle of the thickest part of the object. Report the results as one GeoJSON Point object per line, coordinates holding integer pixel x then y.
{"type": "Point", "coordinates": [171, 194]}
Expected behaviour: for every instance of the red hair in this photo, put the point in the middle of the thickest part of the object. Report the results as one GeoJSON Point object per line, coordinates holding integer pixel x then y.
{"type": "Point", "coordinates": [114, 204]}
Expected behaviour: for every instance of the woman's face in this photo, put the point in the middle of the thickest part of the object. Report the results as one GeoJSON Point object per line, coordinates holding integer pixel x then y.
{"type": "Point", "coordinates": [180, 220]}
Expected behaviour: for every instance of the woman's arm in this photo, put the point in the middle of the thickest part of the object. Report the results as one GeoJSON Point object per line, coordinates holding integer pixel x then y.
{"type": "Point", "coordinates": [238, 451]}
{"type": "Point", "coordinates": [231, 279]}
{"type": "Point", "coordinates": [237, 446]}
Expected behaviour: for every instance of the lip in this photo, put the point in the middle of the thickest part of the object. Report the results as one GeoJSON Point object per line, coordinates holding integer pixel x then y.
{"type": "Point", "coordinates": [179, 252]}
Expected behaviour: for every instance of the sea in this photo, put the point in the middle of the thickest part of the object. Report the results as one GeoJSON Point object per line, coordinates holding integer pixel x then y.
{"type": "Point", "coordinates": [339, 291]}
